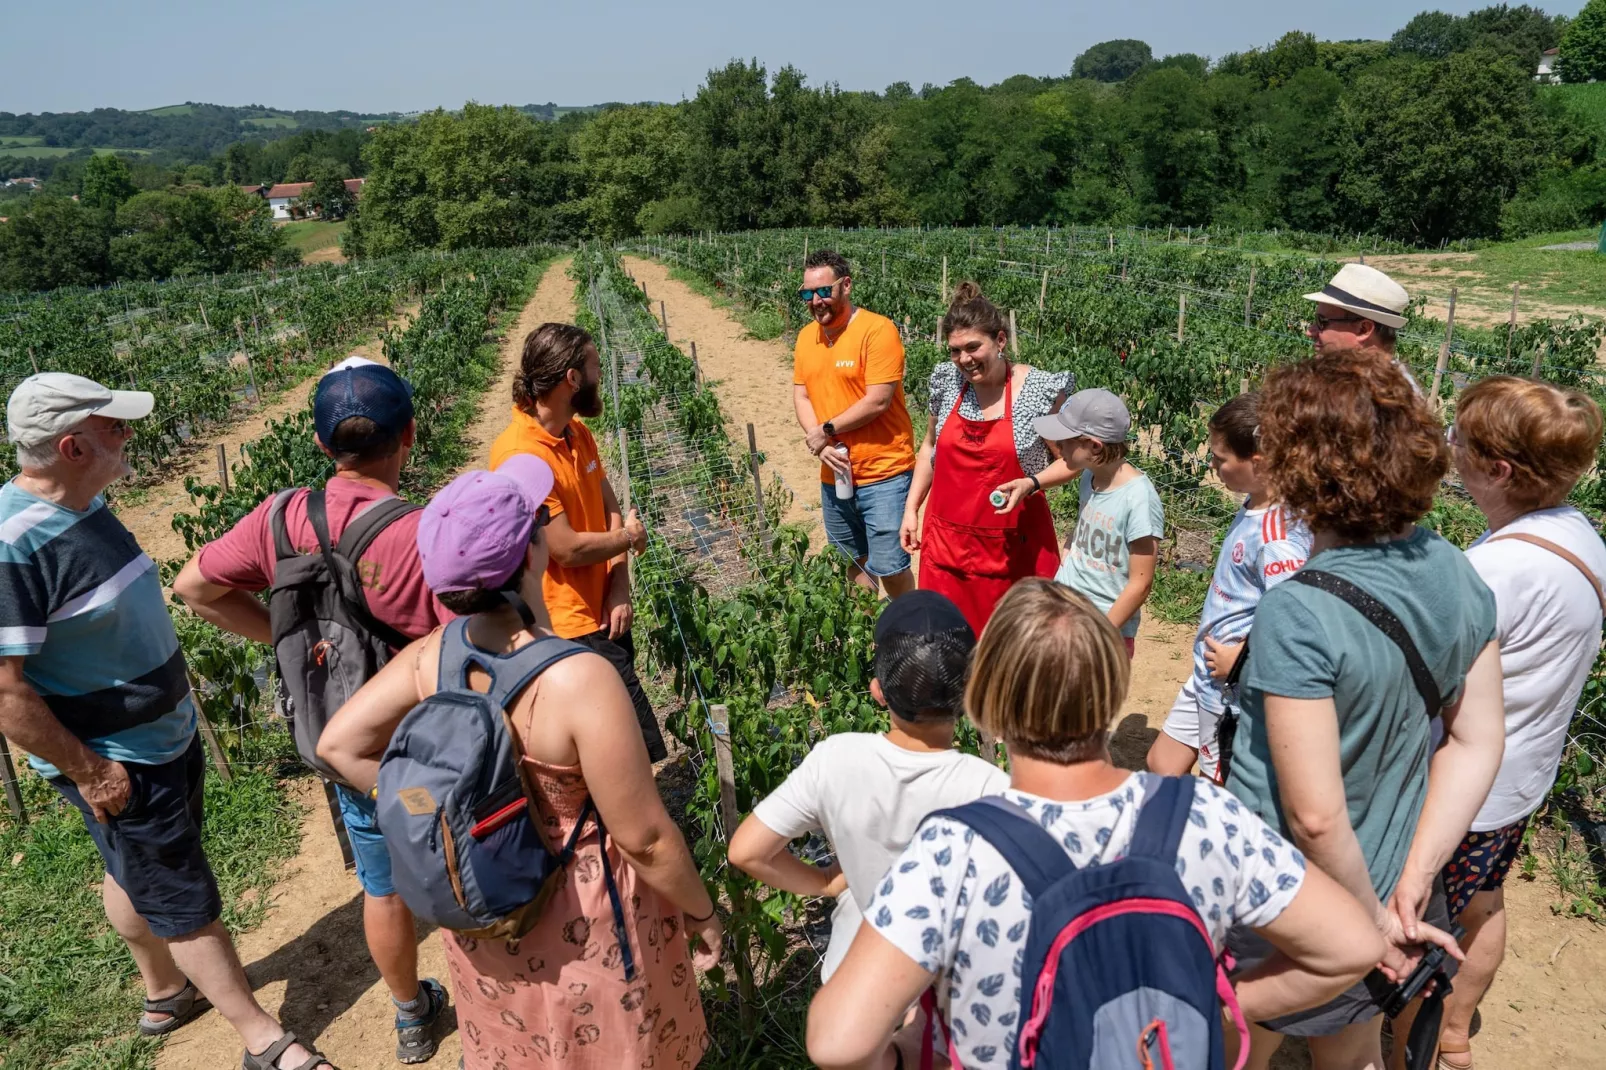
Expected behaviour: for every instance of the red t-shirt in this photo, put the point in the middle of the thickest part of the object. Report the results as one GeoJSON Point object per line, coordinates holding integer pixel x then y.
{"type": "Point", "coordinates": [392, 575]}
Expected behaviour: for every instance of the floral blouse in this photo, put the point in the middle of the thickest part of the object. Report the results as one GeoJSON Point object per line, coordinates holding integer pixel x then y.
{"type": "Point", "coordinates": [1037, 396]}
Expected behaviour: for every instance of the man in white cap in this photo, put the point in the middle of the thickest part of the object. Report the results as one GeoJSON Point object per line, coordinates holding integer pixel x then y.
{"type": "Point", "coordinates": [94, 687]}
{"type": "Point", "coordinates": [1359, 311]}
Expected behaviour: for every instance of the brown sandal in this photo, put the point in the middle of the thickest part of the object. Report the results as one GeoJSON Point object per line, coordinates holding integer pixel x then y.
{"type": "Point", "coordinates": [269, 1059]}
{"type": "Point", "coordinates": [1445, 1064]}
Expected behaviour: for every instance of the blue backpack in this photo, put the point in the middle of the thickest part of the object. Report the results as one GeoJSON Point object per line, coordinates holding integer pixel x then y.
{"type": "Point", "coordinates": [466, 850]}
{"type": "Point", "coordinates": [1118, 970]}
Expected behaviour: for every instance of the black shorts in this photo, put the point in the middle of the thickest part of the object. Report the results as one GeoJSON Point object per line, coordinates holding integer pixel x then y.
{"type": "Point", "coordinates": [1354, 1004]}
{"type": "Point", "coordinates": [152, 849]}
{"type": "Point", "coordinates": [621, 653]}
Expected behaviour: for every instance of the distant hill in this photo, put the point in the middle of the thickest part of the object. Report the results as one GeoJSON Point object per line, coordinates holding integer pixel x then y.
{"type": "Point", "coordinates": [191, 130]}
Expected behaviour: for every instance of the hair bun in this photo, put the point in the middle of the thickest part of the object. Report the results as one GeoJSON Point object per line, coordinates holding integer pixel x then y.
{"type": "Point", "coordinates": [964, 293]}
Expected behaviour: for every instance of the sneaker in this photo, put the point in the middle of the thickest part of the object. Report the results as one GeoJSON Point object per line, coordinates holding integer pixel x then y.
{"type": "Point", "coordinates": [415, 1035]}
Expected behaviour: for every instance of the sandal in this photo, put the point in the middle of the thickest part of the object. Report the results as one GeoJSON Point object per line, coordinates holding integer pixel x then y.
{"type": "Point", "coordinates": [269, 1060]}
{"type": "Point", "coordinates": [1445, 1064]}
{"type": "Point", "coordinates": [182, 1006]}
{"type": "Point", "coordinates": [415, 1037]}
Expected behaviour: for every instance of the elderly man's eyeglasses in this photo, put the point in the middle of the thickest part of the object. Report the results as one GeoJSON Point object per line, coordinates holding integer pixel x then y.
{"type": "Point", "coordinates": [120, 428]}
{"type": "Point", "coordinates": [809, 293]}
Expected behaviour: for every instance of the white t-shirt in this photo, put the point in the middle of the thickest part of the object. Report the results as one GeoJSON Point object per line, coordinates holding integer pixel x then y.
{"type": "Point", "coordinates": [953, 905]}
{"type": "Point", "coordinates": [868, 795]}
{"type": "Point", "coordinates": [1549, 632]}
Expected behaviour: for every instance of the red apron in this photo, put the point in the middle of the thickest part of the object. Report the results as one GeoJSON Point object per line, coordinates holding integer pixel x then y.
{"type": "Point", "coordinates": [967, 551]}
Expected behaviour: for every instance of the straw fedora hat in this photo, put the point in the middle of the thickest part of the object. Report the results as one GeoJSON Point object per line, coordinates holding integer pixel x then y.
{"type": "Point", "coordinates": [1367, 292]}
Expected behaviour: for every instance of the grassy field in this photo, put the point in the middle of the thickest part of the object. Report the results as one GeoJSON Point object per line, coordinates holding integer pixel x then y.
{"type": "Point", "coordinates": [172, 109]}
{"type": "Point", "coordinates": [40, 152]}
{"type": "Point", "coordinates": [69, 995]}
{"type": "Point", "coordinates": [311, 235]}
{"type": "Point", "coordinates": [274, 122]}
{"type": "Point", "coordinates": [1555, 282]}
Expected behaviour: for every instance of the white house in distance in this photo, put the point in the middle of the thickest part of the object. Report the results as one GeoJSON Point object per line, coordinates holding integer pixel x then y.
{"type": "Point", "coordinates": [280, 196]}
{"type": "Point", "coordinates": [1546, 74]}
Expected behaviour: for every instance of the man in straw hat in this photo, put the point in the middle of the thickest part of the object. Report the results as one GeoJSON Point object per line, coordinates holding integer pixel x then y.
{"type": "Point", "coordinates": [1359, 311]}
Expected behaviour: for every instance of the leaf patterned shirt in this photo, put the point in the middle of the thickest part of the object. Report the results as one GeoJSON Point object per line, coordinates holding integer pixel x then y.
{"type": "Point", "coordinates": [953, 905]}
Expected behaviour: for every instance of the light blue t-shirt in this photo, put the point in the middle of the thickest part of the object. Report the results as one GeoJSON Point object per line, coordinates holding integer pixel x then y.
{"type": "Point", "coordinates": [1096, 562]}
{"type": "Point", "coordinates": [82, 604]}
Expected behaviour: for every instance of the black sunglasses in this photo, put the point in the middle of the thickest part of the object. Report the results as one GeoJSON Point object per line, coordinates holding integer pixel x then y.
{"type": "Point", "coordinates": [809, 293]}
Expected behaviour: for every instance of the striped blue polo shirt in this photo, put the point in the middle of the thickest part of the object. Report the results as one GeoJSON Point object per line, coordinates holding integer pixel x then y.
{"type": "Point", "coordinates": [82, 604]}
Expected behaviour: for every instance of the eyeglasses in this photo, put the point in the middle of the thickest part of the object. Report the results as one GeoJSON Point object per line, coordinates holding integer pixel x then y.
{"type": "Point", "coordinates": [809, 293]}
{"type": "Point", "coordinates": [1321, 323]}
{"type": "Point", "coordinates": [121, 428]}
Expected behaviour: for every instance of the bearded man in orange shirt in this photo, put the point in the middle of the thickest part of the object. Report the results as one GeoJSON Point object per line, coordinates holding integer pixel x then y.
{"type": "Point", "coordinates": [847, 375]}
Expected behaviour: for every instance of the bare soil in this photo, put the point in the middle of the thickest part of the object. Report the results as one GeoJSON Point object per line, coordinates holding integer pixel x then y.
{"type": "Point", "coordinates": [753, 379]}
{"type": "Point", "coordinates": [148, 513]}
{"type": "Point", "coordinates": [1478, 302]}
{"type": "Point", "coordinates": [308, 960]}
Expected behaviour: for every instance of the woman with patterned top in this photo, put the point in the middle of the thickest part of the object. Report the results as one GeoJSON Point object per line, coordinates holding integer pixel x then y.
{"type": "Point", "coordinates": [1048, 677]}
{"type": "Point", "coordinates": [980, 442]}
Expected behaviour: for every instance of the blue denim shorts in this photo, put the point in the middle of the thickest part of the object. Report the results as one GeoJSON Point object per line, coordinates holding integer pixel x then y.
{"type": "Point", "coordinates": [865, 526]}
{"type": "Point", "coordinates": [361, 816]}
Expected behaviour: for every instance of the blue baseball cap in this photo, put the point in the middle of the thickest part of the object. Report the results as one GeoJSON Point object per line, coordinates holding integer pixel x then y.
{"type": "Point", "coordinates": [358, 386]}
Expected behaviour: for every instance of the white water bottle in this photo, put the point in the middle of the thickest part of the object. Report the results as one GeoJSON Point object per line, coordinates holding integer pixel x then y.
{"type": "Point", "coordinates": [844, 480]}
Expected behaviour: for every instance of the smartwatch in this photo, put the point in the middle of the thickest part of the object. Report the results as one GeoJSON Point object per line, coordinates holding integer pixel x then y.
{"type": "Point", "coordinates": [1037, 484]}
{"type": "Point", "coordinates": [829, 428]}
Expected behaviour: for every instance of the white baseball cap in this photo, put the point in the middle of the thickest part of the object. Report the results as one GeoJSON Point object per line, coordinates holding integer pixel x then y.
{"type": "Point", "coordinates": [1368, 293]}
{"type": "Point", "coordinates": [49, 404]}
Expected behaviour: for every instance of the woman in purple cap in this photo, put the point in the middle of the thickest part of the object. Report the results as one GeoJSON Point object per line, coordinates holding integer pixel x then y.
{"type": "Point", "coordinates": [558, 995]}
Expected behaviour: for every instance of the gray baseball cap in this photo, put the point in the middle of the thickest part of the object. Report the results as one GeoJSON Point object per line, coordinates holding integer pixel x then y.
{"type": "Point", "coordinates": [49, 404]}
{"type": "Point", "coordinates": [1095, 413]}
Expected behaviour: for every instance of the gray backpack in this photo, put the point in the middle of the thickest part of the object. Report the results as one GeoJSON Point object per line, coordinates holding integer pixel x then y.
{"type": "Point", "coordinates": [325, 640]}
{"type": "Point", "coordinates": [456, 810]}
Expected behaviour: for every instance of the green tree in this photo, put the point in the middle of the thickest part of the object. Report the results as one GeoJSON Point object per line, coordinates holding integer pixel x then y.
{"type": "Point", "coordinates": [1112, 61]}
{"type": "Point", "coordinates": [328, 196]}
{"type": "Point", "coordinates": [162, 234]}
{"type": "Point", "coordinates": [1582, 56]}
{"type": "Point", "coordinates": [56, 242]}
{"type": "Point", "coordinates": [1431, 35]}
{"type": "Point", "coordinates": [630, 158]}
{"type": "Point", "coordinates": [107, 183]}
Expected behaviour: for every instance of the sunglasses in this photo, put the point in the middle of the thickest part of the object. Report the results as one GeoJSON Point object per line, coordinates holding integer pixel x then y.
{"type": "Point", "coordinates": [1324, 322]}
{"type": "Point", "coordinates": [809, 293]}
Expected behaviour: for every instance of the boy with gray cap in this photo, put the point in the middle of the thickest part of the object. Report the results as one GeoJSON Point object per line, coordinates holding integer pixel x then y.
{"type": "Point", "coordinates": [1111, 555]}
{"type": "Point", "coordinates": [363, 418]}
{"type": "Point", "coordinates": [94, 687]}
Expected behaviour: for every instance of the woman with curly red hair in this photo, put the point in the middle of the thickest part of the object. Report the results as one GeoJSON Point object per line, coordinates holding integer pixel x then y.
{"type": "Point", "coordinates": [1334, 744]}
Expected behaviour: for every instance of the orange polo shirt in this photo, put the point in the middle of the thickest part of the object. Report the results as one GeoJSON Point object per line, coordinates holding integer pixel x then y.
{"type": "Point", "coordinates": [573, 596]}
{"type": "Point", "coordinates": [868, 352]}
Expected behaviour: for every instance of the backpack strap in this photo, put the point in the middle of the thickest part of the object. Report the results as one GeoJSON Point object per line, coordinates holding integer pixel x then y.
{"type": "Point", "coordinates": [1161, 819]}
{"type": "Point", "coordinates": [367, 525]}
{"type": "Point", "coordinates": [283, 548]}
{"type": "Point", "coordinates": [1561, 552]}
{"type": "Point", "coordinates": [356, 602]}
{"type": "Point", "coordinates": [1037, 858]}
{"type": "Point", "coordinates": [1383, 619]}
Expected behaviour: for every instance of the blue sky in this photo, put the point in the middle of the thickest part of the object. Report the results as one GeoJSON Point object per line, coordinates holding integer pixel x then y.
{"type": "Point", "coordinates": [407, 55]}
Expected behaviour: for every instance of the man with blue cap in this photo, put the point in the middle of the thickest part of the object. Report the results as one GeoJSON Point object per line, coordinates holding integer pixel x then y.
{"type": "Point", "coordinates": [329, 636]}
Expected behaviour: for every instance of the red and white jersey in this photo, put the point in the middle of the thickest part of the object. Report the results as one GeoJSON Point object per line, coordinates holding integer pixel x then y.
{"type": "Point", "coordinates": [1262, 548]}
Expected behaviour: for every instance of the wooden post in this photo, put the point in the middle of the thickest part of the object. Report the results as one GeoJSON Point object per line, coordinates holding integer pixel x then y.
{"type": "Point", "coordinates": [696, 368]}
{"type": "Point", "coordinates": [32, 361]}
{"type": "Point", "coordinates": [883, 261]}
{"type": "Point", "coordinates": [1014, 345]}
{"type": "Point", "coordinates": [1444, 349]}
{"type": "Point", "coordinates": [222, 468]}
{"type": "Point", "coordinates": [8, 776]}
{"type": "Point", "coordinates": [719, 718]}
{"type": "Point", "coordinates": [1048, 242]}
{"type": "Point", "coordinates": [1182, 313]}
{"type": "Point", "coordinates": [758, 481]}
{"type": "Point", "coordinates": [936, 336]}
{"type": "Point", "coordinates": [1243, 385]}
{"type": "Point", "coordinates": [663, 317]}
{"type": "Point", "coordinates": [1042, 294]}
{"type": "Point", "coordinates": [1112, 241]}
{"type": "Point", "coordinates": [340, 826]}
{"type": "Point", "coordinates": [1511, 328]}
{"type": "Point", "coordinates": [943, 293]}
{"type": "Point", "coordinates": [1123, 269]}
{"type": "Point", "coordinates": [1539, 360]}
{"type": "Point", "coordinates": [1249, 298]}
{"type": "Point", "coordinates": [805, 249]}
{"type": "Point", "coordinates": [220, 761]}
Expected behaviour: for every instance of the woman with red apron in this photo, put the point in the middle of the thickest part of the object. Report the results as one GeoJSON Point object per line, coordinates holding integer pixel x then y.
{"type": "Point", "coordinates": [971, 550]}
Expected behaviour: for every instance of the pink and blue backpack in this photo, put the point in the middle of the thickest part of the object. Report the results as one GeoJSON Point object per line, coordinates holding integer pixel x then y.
{"type": "Point", "coordinates": [1118, 972]}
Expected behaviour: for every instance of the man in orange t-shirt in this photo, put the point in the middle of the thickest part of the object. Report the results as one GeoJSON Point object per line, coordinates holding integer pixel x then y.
{"type": "Point", "coordinates": [847, 376]}
{"type": "Point", "coordinates": [587, 585]}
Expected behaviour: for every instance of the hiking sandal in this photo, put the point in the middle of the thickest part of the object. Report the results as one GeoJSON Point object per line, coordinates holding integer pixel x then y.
{"type": "Point", "coordinates": [415, 1037]}
{"type": "Point", "coordinates": [269, 1060]}
{"type": "Point", "coordinates": [182, 1006]}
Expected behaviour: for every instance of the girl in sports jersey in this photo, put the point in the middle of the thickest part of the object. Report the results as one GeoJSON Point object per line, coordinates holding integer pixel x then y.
{"type": "Point", "coordinates": [1263, 547]}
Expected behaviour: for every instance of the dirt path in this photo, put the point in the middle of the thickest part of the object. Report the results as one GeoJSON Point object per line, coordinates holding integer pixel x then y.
{"type": "Point", "coordinates": [148, 513]}
{"type": "Point", "coordinates": [753, 380]}
{"type": "Point", "coordinates": [308, 961]}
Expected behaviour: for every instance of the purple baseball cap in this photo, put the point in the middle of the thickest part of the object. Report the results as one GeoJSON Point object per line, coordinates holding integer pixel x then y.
{"type": "Point", "coordinates": [474, 533]}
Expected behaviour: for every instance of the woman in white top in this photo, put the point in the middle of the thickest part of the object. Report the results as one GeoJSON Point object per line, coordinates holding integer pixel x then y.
{"type": "Point", "coordinates": [1048, 678]}
{"type": "Point", "coordinates": [1520, 446]}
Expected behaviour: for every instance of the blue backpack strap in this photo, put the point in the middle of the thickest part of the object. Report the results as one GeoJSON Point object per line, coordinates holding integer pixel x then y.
{"type": "Point", "coordinates": [1162, 818]}
{"type": "Point", "coordinates": [510, 673]}
{"type": "Point", "coordinates": [1037, 858]}
{"type": "Point", "coordinates": [457, 653]}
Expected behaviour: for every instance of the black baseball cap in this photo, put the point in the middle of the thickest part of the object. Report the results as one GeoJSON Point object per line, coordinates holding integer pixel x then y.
{"type": "Point", "coordinates": [922, 655]}
{"type": "Point", "coordinates": [358, 386]}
